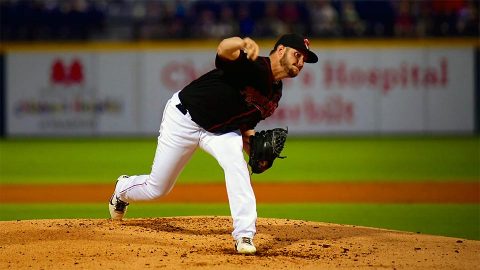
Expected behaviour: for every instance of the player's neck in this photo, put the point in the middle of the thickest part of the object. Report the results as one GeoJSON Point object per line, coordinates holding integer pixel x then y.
{"type": "Point", "coordinates": [277, 70]}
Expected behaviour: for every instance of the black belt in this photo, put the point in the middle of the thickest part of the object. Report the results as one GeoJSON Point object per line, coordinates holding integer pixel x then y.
{"type": "Point", "coordinates": [182, 108]}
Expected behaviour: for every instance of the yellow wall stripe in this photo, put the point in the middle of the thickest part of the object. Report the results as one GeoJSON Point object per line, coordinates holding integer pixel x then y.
{"type": "Point", "coordinates": [212, 44]}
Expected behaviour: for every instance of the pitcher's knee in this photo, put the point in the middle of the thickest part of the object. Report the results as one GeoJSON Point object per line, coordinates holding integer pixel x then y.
{"type": "Point", "coordinates": [232, 163]}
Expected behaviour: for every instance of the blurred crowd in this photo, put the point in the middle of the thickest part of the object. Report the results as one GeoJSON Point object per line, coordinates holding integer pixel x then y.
{"type": "Point", "coordinates": [184, 19]}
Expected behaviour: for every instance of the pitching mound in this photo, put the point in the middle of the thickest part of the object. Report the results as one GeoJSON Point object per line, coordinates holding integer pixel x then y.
{"type": "Point", "coordinates": [205, 243]}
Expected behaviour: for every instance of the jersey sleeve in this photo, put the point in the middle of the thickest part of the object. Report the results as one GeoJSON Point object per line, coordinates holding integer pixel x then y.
{"type": "Point", "coordinates": [236, 65]}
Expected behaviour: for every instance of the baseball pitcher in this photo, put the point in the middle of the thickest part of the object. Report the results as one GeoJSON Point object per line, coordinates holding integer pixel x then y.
{"type": "Point", "coordinates": [218, 113]}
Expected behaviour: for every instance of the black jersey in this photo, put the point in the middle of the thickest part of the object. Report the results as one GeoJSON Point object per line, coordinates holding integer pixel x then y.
{"type": "Point", "coordinates": [235, 95]}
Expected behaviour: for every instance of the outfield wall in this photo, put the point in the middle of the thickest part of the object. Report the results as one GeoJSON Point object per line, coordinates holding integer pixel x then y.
{"type": "Point", "coordinates": [360, 88]}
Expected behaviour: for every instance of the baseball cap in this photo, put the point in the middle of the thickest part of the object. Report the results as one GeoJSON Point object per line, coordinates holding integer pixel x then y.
{"type": "Point", "coordinates": [298, 43]}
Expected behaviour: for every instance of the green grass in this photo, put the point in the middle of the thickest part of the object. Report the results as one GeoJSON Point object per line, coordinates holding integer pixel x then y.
{"type": "Point", "coordinates": [454, 220]}
{"type": "Point", "coordinates": [381, 159]}
{"type": "Point", "coordinates": [40, 161]}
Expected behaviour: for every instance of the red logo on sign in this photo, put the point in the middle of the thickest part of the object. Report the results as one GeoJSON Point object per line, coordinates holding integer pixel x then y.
{"type": "Point", "coordinates": [66, 75]}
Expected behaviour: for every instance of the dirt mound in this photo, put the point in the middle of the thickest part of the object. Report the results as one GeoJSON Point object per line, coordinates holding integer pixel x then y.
{"type": "Point", "coordinates": [205, 243]}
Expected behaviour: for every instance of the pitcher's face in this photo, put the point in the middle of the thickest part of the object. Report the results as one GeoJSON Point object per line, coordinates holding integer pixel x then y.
{"type": "Point", "coordinates": [292, 62]}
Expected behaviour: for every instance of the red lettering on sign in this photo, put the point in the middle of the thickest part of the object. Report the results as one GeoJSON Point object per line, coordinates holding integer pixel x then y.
{"type": "Point", "coordinates": [339, 75]}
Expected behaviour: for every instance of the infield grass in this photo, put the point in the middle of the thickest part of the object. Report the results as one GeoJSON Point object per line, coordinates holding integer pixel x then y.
{"type": "Point", "coordinates": [454, 220]}
{"type": "Point", "coordinates": [42, 161]}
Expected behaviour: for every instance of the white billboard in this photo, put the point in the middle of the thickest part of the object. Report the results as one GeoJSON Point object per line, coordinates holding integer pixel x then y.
{"type": "Point", "coordinates": [364, 90]}
{"type": "Point", "coordinates": [70, 93]}
{"type": "Point", "coordinates": [382, 91]}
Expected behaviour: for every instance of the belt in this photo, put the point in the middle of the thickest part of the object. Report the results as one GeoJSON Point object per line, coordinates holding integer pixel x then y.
{"type": "Point", "coordinates": [182, 108]}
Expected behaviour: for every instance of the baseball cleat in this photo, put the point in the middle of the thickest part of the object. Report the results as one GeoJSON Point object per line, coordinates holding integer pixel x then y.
{"type": "Point", "coordinates": [117, 207]}
{"type": "Point", "coordinates": [244, 245]}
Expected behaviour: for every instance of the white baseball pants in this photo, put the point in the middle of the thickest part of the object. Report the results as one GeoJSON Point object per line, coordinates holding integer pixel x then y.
{"type": "Point", "coordinates": [179, 137]}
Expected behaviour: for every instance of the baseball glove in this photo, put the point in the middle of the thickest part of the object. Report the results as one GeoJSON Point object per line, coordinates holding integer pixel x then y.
{"type": "Point", "coordinates": [265, 147]}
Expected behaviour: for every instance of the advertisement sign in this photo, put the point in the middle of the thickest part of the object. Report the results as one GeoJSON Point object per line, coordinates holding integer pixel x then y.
{"type": "Point", "coordinates": [382, 91]}
{"type": "Point", "coordinates": [349, 91]}
{"type": "Point", "coordinates": [69, 93]}
{"type": "Point", "coordinates": [165, 73]}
